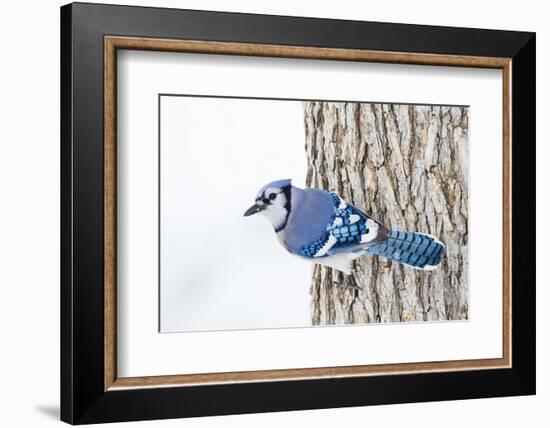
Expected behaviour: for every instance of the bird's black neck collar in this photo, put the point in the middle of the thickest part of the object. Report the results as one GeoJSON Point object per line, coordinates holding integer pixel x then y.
{"type": "Point", "coordinates": [287, 190]}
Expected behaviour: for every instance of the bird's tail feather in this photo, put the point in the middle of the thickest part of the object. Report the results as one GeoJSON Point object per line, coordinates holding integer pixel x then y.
{"type": "Point", "coordinates": [415, 249]}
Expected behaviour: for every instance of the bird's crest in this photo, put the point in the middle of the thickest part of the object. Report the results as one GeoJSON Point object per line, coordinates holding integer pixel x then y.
{"type": "Point", "coordinates": [277, 184]}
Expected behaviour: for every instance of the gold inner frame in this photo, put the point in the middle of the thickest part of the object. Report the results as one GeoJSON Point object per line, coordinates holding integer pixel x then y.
{"type": "Point", "coordinates": [112, 43]}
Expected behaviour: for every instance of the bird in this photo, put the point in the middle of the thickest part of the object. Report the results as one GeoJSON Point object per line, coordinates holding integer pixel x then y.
{"type": "Point", "coordinates": [322, 227]}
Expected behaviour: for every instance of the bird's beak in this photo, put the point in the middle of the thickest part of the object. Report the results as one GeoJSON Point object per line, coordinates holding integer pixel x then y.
{"type": "Point", "coordinates": [254, 209]}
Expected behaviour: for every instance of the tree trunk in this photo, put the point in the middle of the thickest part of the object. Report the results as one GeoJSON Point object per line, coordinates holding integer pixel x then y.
{"type": "Point", "coordinates": [407, 167]}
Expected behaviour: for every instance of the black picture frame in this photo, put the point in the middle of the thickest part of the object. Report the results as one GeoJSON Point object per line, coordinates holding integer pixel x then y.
{"type": "Point", "coordinates": [83, 396]}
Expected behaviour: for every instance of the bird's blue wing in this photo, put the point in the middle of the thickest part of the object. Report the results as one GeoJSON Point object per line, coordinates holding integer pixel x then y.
{"type": "Point", "coordinates": [350, 230]}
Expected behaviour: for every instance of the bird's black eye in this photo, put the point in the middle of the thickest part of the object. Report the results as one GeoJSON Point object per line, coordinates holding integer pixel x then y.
{"type": "Point", "coordinates": [272, 196]}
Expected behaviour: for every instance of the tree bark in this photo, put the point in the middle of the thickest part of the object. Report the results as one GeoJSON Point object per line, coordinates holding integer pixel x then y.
{"type": "Point", "coordinates": [407, 167]}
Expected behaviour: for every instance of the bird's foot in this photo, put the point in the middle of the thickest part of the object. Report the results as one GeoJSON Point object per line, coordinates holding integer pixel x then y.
{"type": "Point", "coordinates": [347, 282]}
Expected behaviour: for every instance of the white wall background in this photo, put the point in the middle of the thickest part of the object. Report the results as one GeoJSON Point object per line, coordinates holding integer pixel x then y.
{"type": "Point", "coordinates": [29, 231]}
{"type": "Point", "coordinates": [218, 269]}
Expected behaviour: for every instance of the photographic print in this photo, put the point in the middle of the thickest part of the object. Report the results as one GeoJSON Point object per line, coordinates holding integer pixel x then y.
{"type": "Point", "coordinates": [323, 201]}
{"type": "Point", "coordinates": [281, 213]}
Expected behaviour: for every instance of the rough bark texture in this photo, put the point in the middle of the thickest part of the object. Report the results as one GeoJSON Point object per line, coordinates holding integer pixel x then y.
{"type": "Point", "coordinates": [407, 167]}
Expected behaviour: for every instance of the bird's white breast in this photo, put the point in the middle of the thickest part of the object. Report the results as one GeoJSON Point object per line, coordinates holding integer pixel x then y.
{"type": "Point", "coordinates": [342, 262]}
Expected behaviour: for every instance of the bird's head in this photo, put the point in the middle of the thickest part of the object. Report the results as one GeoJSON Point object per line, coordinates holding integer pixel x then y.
{"type": "Point", "coordinates": [273, 201]}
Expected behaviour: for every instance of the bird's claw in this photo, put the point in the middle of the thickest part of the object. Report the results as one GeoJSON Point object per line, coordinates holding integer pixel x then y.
{"type": "Point", "coordinates": [347, 282]}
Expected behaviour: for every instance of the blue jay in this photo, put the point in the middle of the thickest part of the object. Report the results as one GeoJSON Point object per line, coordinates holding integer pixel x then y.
{"type": "Point", "coordinates": [320, 226]}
